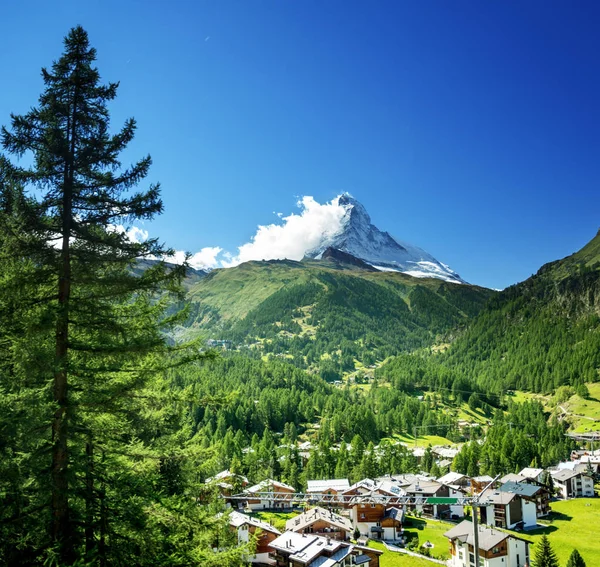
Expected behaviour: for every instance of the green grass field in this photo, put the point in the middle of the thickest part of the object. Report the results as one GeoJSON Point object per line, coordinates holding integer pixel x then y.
{"type": "Point", "coordinates": [572, 524]}
{"type": "Point", "coordinates": [395, 559]}
{"type": "Point", "coordinates": [276, 519]}
{"type": "Point", "coordinates": [431, 531]}
{"type": "Point", "coordinates": [423, 440]}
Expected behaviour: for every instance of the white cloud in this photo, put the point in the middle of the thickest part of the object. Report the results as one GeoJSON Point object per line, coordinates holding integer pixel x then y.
{"type": "Point", "coordinates": [206, 258]}
{"type": "Point", "coordinates": [298, 234]}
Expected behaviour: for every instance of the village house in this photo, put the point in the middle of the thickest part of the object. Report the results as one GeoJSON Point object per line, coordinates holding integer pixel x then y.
{"type": "Point", "coordinates": [573, 483]}
{"type": "Point", "coordinates": [274, 494]}
{"type": "Point", "coordinates": [429, 489]}
{"type": "Point", "coordinates": [532, 474]}
{"type": "Point", "coordinates": [535, 493]}
{"type": "Point", "coordinates": [507, 510]}
{"type": "Point", "coordinates": [227, 482]}
{"type": "Point", "coordinates": [496, 548]}
{"type": "Point", "coordinates": [459, 486]}
{"type": "Point", "coordinates": [246, 527]}
{"type": "Point", "coordinates": [331, 487]}
{"type": "Point", "coordinates": [301, 550]}
{"type": "Point", "coordinates": [321, 522]}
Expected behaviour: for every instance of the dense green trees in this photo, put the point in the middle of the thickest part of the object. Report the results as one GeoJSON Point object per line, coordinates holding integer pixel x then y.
{"type": "Point", "coordinates": [92, 441]}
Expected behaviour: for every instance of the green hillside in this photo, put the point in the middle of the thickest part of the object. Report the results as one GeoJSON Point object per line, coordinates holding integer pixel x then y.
{"type": "Point", "coordinates": [537, 335]}
{"type": "Point", "coordinates": [328, 314]}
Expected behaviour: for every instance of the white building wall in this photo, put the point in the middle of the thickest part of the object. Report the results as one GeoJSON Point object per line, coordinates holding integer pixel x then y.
{"type": "Point", "coordinates": [457, 510]}
{"type": "Point", "coordinates": [529, 514]}
{"type": "Point", "coordinates": [587, 486]}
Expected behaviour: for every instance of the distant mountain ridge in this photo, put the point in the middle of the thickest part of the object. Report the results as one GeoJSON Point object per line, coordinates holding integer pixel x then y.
{"type": "Point", "coordinates": [363, 240]}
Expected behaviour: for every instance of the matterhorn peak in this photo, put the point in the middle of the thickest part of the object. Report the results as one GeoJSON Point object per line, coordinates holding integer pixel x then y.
{"type": "Point", "coordinates": [358, 237]}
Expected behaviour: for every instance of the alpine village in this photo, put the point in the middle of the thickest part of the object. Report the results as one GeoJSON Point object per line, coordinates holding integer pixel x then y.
{"type": "Point", "coordinates": [361, 406]}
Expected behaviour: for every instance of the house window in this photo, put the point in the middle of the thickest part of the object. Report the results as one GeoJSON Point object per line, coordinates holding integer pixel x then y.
{"type": "Point", "coordinates": [372, 505]}
{"type": "Point", "coordinates": [362, 516]}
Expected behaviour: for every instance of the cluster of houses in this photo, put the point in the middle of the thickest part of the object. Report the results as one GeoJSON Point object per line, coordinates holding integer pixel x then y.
{"type": "Point", "coordinates": [375, 509]}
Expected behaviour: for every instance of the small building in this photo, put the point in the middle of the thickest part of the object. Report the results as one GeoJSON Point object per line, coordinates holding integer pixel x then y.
{"type": "Point", "coordinates": [302, 550]}
{"type": "Point", "coordinates": [333, 486]}
{"type": "Point", "coordinates": [321, 522]}
{"type": "Point", "coordinates": [535, 493]}
{"type": "Point", "coordinates": [496, 548]}
{"type": "Point", "coordinates": [455, 478]}
{"type": "Point", "coordinates": [532, 474]}
{"type": "Point", "coordinates": [270, 494]}
{"type": "Point", "coordinates": [429, 489]}
{"type": "Point", "coordinates": [507, 510]}
{"type": "Point", "coordinates": [573, 483]}
{"type": "Point", "coordinates": [246, 526]}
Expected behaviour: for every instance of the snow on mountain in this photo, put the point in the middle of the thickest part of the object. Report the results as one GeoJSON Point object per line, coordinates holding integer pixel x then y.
{"type": "Point", "coordinates": [360, 238]}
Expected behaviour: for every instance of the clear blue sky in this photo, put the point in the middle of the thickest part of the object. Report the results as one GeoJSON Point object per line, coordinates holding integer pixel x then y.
{"type": "Point", "coordinates": [469, 128]}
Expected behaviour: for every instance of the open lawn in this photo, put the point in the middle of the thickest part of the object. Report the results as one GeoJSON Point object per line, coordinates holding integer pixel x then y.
{"type": "Point", "coordinates": [431, 531]}
{"type": "Point", "coordinates": [277, 519]}
{"type": "Point", "coordinates": [572, 524]}
{"type": "Point", "coordinates": [423, 440]}
{"type": "Point", "coordinates": [395, 559]}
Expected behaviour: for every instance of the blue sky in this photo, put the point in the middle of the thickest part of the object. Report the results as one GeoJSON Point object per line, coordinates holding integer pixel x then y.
{"type": "Point", "coordinates": [471, 129]}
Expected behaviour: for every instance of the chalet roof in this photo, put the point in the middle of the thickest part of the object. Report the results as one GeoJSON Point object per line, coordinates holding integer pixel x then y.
{"type": "Point", "coordinates": [424, 487]}
{"type": "Point", "coordinates": [563, 475]}
{"type": "Point", "coordinates": [451, 478]}
{"type": "Point", "coordinates": [400, 479]}
{"type": "Point", "coordinates": [337, 484]}
{"type": "Point", "coordinates": [522, 488]}
{"type": "Point", "coordinates": [237, 519]}
{"type": "Point", "coordinates": [512, 477]}
{"type": "Point", "coordinates": [305, 549]}
{"type": "Point", "coordinates": [270, 485]}
{"type": "Point", "coordinates": [484, 478]}
{"type": "Point", "coordinates": [531, 473]}
{"type": "Point", "coordinates": [494, 496]}
{"type": "Point", "coordinates": [315, 514]}
{"type": "Point", "coordinates": [488, 537]}
{"type": "Point", "coordinates": [226, 475]}
{"type": "Point", "coordinates": [394, 514]}
{"type": "Point", "coordinates": [364, 484]}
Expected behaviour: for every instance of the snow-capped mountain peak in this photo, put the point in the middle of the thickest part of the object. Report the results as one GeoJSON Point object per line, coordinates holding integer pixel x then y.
{"type": "Point", "coordinates": [360, 238]}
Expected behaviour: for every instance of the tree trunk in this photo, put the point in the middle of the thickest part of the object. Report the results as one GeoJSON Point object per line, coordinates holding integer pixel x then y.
{"type": "Point", "coordinates": [61, 526]}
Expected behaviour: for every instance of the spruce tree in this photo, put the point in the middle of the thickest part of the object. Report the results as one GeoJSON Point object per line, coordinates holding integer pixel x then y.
{"type": "Point", "coordinates": [575, 559]}
{"type": "Point", "coordinates": [94, 321]}
{"type": "Point", "coordinates": [544, 554]}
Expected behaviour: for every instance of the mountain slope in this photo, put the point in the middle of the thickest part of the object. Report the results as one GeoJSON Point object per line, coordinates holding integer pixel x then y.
{"type": "Point", "coordinates": [360, 238]}
{"type": "Point", "coordinates": [328, 312]}
{"type": "Point", "coordinates": [537, 335]}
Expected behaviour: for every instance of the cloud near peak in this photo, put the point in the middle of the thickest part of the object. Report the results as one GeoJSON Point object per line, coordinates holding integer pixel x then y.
{"type": "Point", "coordinates": [290, 238]}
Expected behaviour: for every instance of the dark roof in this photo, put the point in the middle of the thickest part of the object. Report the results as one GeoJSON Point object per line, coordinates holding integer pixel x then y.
{"type": "Point", "coordinates": [488, 537]}
{"type": "Point", "coordinates": [360, 559]}
{"type": "Point", "coordinates": [524, 489]}
{"type": "Point", "coordinates": [394, 514]}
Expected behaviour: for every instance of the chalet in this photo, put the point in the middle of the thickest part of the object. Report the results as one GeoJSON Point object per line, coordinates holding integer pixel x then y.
{"type": "Point", "coordinates": [429, 489]}
{"type": "Point", "coordinates": [228, 482]}
{"type": "Point", "coordinates": [532, 474]}
{"type": "Point", "coordinates": [507, 510]}
{"type": "Point", "coordinates": [573, 483]}
{"type": "Point", "coordinates": [273, 494]}
{"type": "Point", "coordinates": [496, 548]}
{"type": "Point", "coordinates": [456, 479]}
{"type": "Point", "coordinates": [301, 550]}
{"type": "Point", "coordinates": [321, 522]}
{"type": "Point", "coordinates": [512, 477]}
{"type": "Point", "coordinates": [332, 487]}
{"type": "Point", "coordinates": [535, 493]}
{"type": "Point", "coordinates": [246, 526]}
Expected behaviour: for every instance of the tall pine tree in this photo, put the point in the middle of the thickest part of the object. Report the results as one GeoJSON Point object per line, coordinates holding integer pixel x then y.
{"type": "Point", "coordinates": [92, 321]}
{"type": "Point", "coordinates": [544, 554]}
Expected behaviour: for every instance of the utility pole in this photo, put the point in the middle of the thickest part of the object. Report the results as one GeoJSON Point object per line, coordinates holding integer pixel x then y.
{"type": "Point", "coordinates": [475, 510]}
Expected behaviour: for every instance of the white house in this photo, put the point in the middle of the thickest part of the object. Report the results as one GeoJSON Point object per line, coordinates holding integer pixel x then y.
{"type": "Point", "coordinates": [507, 510]}
{"type": "Point", "coordinates": [246, 526]}
{"type": "Point", "coordinates": [496, 548]}
{"type": "Point", "coordinates": [270, 494]}
{"type": "Point", "coordinates": [573, 483]}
